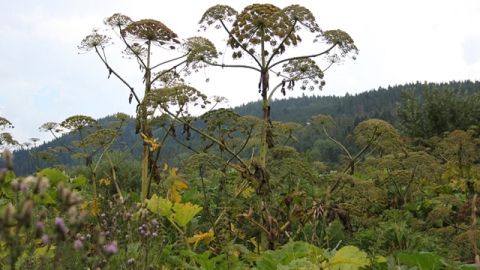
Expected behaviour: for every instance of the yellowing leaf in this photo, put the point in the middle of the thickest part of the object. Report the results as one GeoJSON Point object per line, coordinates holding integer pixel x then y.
{"type": "Point", "coordinates": [236, 231]}
{"type": "Point", "coordinates": [173, 195]}
{"type": "Point", "coordinates": [235, 252]}
{"type": "Point", "coordinates": [180, 184]}
{"type": "Point", "coordinates": [206, 238]}
{"type": "Point", "coordinates": [173, 172]}
{"type": "Point", "coordinates": [152, 142]}
{"type": "Point", "coordinates": [247, 193]}
{"type": "Point", "coordinates": [159, 206]}
{"type": "Point", "coordinates": [348, 258]}
{"type": "Point", "coordinates": [184, 213]}
{"type": "Point", "coordinates": [94, 207]}
{"type": "Point", "coordinates": [84, 205]}
{"type": "Point", "coordinates": [253, 240]}
{"type": "Point", "coordinates": [105, 182]}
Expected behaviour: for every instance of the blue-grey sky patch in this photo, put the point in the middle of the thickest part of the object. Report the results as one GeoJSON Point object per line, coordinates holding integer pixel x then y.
{"type": "Point", "coordinates": [471, 50]}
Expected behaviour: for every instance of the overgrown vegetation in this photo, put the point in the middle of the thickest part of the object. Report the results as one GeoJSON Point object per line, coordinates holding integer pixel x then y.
{"type": "Point", "coordinates": [248, 192]}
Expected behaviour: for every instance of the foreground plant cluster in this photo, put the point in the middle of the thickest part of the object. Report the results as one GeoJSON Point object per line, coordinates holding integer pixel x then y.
{"type": "Point", "coordinates": [244, 198]}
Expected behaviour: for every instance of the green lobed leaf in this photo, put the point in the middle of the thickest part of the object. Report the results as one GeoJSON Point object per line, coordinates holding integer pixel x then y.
{"type": "Point", "coordinates": [55, 176]}
{"type": "Point", "coordinates": [184, 213]}
{"type": "Point", "coordinates": [421, 260]}
{"type": "Point", "coordinates": [160, 206]}
{"type": "Point", "coordinates": [348, 258]}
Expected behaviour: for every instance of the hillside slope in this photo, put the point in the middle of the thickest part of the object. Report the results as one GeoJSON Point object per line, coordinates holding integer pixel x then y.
{"type": "Point", "coordinates": [348, 111]}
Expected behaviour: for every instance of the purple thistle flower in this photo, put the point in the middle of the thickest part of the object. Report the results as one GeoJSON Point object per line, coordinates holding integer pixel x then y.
{"type": "Point", "coordinates": [40, 225]}
{"type": "Point", "coordinates": [44, 239]}
{"type": "Point", "coordinates": [59, 222]}
{"type": "Point", "coordinates": [130, 261]}
{"type": "Point", "coordinates": [23, 187]}
{"type": "Point", "coordinates": [77, 244]}
{"type": "Point", "coordinates": [110, 248]}
{"type": "Point", "coordinates": [61, 227]}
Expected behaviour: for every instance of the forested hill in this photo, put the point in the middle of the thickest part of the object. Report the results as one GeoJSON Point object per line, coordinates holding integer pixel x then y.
{"type": "Point", "coordinates": [380, 103]}
{"type": "Point", "coordinates": [347, 111]}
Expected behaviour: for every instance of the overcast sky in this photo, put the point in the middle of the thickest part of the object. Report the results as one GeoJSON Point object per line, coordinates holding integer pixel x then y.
{"type": "Point", "coordinates": [43, 77]}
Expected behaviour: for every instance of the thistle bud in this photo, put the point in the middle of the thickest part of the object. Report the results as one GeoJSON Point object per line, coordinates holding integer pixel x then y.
{"type": "Point", "coordinates": [8, 159]}
{"type": "Point", "coordinates": [45, 239]}
{"type": "Point", "coordinates": [77, 244]}
{"type": "Point", "coordinates": [42, 185]}
{"type": "Point", "coordinates": [39, 229]}
{"type": "Point", "coordinates": [63, 193]}
{"type": "Point", "coordinates": [3, 174]}
{"type": "Point", "coordinates": [73, 198]}
{"type": "Point", "coordinates": [72, 214]}
{"type": "Point", "coordinates": [25, 215]}
{"type": "Point", "coordinates": [9, 215]}
{"type": "Point", "coordinates": [15, 184]}
{"type": "Point", "coordinates": [61, 228]}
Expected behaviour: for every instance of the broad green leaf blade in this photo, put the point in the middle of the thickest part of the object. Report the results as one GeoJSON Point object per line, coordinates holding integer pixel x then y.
{"type": "Point", "coordinates": [184, 212]}
{"type": "Point", "coordinates": [160, 206]}
{"type": "Point", "coordinates": [348, 258]}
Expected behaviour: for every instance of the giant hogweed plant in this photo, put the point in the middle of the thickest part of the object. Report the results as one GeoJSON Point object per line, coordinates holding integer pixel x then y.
{"type": "Point", "coordinates": [142, 40]}
{"type": "Point", "coordinates": [93, 144]}
{"type": "Point", "coordinates": [6, 139]}
{"type": "Point", "coordinates": [264, 33]}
